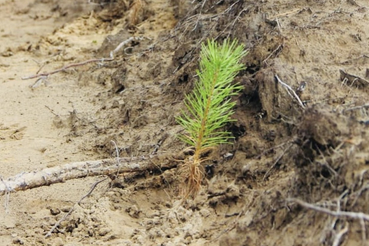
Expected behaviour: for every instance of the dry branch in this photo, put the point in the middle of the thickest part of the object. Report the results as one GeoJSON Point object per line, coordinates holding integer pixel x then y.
{"type": "Point", "coordinates": [77, 170]}
{"type": "Point", "coordinates": [352, 215]}
{"type": "Point", "coordinates": [101, 60]}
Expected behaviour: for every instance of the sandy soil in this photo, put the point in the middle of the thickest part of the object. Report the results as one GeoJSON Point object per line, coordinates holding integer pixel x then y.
{"type": "Point", "coordinates": [315, 150]}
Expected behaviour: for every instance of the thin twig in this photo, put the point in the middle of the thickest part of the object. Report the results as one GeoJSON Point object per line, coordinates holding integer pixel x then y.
{"type": "Point", "coordinates": [357, 107]}
{"type": "Point", "coordinates": [231, 25]}
{"type": "Point", "coordinates": [118, 158]}
{"type": "Point", "coordinates": [230, 7]}
{"type": "Point", "coordinates": [274, 147]}
{"type": "Point", "coordinates": [101, 60]}
{"type": "Point", "coordinates": [199, 15]}
{"type": "Point", "coordinates": [288, 88]}
{"type": "Point", "coordinates": [337, 238]}
{"type": "Point", "coordinates": [45, 75]}
{"type": "Point", "coordinates": [41, 67]}
{"type": "Point", "coordinates": [7, 196]}
{"type": "Point", "coordinates": [276, 162]}
{"type": "Point", "coordinates": [325, 163]}
{"type": "Point", "coordinates": [352, 215]}
{"type": "Point", "coordinates": [364, 187]}
{"type": "Point", "coordinates": [72, 209]}
{"type": "Point", "coordinates": [279, 48]}
{"type": "Point", "coordinates": [363, 230]}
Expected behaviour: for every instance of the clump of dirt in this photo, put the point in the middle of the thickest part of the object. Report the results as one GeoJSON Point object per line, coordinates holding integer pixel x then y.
{"type": "Point", "coordinates": [299, 159]}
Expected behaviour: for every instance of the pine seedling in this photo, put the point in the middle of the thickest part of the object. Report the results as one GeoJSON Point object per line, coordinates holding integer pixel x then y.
{"type": "Point", "coordinates": [209, 106]}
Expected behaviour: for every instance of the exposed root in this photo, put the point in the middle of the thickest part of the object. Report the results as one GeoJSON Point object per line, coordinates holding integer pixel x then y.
{"type": "Point", "coordinates": [192, 176]}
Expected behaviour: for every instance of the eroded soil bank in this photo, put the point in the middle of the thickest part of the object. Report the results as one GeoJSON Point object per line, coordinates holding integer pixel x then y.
{"type": "Point", "coordinates": [311, 146]}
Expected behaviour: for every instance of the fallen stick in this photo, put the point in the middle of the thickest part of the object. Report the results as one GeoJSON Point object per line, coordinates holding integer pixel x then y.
{"type": "Point", "coordinates": [111, 58]}
{"type": "Point", "coordinates": [352, 215]}
{"type": "Point", "coordinates": [75, 170]}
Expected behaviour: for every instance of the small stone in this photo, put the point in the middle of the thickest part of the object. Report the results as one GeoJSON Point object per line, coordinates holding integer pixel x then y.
{"type": "Point", "coordinates": [18, 241]}
{"type": "Point", "coordinates": [104, 231]}
{"type": "Point", "coordinates": [54, 211]}
{"type": "Point", "coordinates": [65, 209]}
{"type": "Point", "coordinates": [133, 211]}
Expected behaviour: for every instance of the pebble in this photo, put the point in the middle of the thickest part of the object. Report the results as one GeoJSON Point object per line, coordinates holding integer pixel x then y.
{"type": "Point", "coordinates": [104, 231]}
{"type": "Point", "coordinates": [54, 211]}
